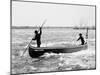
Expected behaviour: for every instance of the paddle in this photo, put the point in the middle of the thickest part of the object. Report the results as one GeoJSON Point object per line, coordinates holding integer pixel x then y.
{"type": "Point", "coordinates": [31, 40]}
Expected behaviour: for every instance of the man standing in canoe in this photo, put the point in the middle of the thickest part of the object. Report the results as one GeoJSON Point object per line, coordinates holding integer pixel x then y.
{"type": "Point", "coordinates": [81, 38]}
{"type": "Point", "coordinates": [38, 36]}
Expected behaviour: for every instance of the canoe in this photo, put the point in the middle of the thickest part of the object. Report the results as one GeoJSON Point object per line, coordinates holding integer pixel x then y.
{"type": "Point", "coordinates": [35, 52]}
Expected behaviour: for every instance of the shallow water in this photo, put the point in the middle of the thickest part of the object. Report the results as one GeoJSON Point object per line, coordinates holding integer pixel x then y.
{"type": "Point", "coordinates": [84, 59]}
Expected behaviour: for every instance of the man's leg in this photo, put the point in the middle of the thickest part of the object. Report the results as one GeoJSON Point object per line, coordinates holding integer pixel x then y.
{"type": "Point", "coordinates": [38, 45]}
{"type": "Point", "coordinates": [82, 43]}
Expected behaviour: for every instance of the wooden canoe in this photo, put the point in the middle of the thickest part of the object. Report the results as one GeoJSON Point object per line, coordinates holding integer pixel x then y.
{"type": "Point", "coordinates": [35, 52]}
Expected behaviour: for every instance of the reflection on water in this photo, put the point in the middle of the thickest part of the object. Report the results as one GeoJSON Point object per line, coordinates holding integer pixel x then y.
{"type": "Point", "coordinates": [84, 59]}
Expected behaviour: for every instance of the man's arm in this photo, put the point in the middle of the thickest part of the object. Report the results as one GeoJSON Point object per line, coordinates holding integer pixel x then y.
{"type": "Point", "coordinates": [34, 38]}
{"type": "Point", "coordinates": [78, 38]}
{"type": "Point", "coordinates": [40, 30]}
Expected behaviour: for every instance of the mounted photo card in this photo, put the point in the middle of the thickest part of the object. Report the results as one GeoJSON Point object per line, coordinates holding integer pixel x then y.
{"type": "Point", "coordinates": [52, 37]}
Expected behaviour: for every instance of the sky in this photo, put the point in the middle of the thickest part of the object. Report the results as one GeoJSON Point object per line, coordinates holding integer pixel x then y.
{"type": "Point", "coordinates": [33, 14]}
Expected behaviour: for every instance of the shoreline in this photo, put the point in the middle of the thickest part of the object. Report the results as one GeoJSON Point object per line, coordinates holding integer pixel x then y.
{"type": "Point", "coordinates": [29, 27]}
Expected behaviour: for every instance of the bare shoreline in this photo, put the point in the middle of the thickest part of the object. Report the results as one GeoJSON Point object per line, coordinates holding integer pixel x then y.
{"type": "Point", "coordinates": [30, 27]}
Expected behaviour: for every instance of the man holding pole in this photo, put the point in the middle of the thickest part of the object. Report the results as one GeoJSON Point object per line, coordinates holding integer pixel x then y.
{"type": "Point", "coordinates": [38, 36]}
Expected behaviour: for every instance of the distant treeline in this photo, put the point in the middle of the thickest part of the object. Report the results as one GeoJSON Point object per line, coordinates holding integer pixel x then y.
{"type": "Point", "coordinates": [30, 27]}
{"type": "Point", "coordinates": [92, 27]}
{"type": "Point", "coordinates": [23, 27]}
